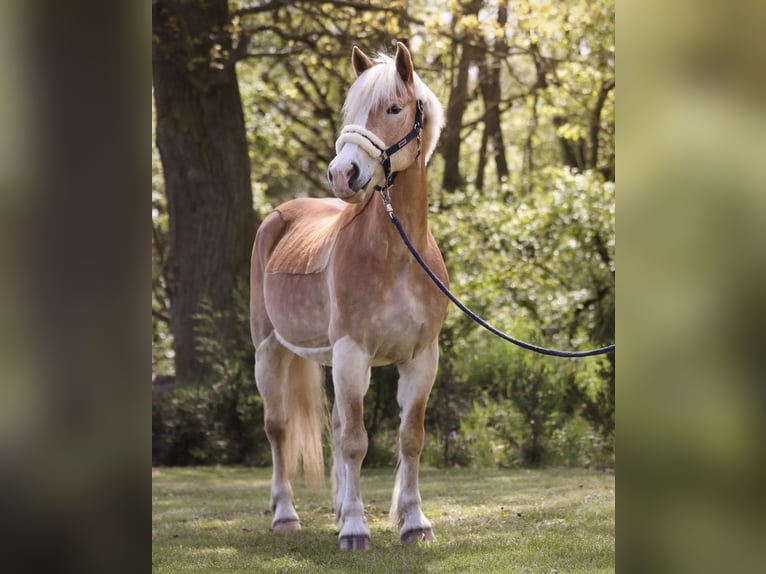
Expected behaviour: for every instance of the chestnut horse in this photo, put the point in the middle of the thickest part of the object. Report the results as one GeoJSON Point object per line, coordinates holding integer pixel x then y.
{"type": "Point", "coordinates": [332, 284]}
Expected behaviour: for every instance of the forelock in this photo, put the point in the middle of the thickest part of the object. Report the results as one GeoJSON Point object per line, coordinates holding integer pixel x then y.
{"type": "Point", "coordinates": [375, 86]}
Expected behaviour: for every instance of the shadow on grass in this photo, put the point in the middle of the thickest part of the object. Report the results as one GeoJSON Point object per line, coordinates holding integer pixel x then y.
{"type": "Point", "coordinates": [215, 520]}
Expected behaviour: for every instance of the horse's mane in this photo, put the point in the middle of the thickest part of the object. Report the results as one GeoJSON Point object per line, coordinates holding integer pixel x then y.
{"type": "Point", "coordinates": [382, 83]}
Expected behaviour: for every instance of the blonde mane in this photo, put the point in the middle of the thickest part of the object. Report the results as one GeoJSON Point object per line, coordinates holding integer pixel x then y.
{"type": "Point", "coordinates": [381, 83]}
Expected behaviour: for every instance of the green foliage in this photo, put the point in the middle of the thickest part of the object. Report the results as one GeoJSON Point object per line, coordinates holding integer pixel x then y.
{"type": "Point", "coordinates": [542, 257]}
{"type": "Point", "coordinates": [577, 444]}
{"type": "Point", "coordinates": [525, 410]}
{"type": "Point", "coordinates": [162, 340]}
{"type": "Point", "coordinates": [224, 340]}
{"type": "Point", "coordinates": [216, 421]}
{"type": "Point", "coordinates": [208, 424]}
{"type": "Point", "coordinates": [543, 271]}
{"type": "Point", "coordinates": [185, 429]}
{"type": "Point", "coordinates": [381, 417]}
{"type": "Point", "coordinates": [476, 436]}
{"type": "Point", "coordinates": [293, 82]}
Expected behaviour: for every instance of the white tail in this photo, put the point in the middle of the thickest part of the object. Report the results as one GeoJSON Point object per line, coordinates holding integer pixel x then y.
{"type": "Point", "coordinates": [306, 408]}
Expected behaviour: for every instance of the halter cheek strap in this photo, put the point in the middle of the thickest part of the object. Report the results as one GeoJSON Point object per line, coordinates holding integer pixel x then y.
{"type": "Point", "coordinates": [376, 148]}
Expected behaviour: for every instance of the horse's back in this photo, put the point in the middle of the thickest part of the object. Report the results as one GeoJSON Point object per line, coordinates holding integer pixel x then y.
{"type": "Point", "coordinates": [296, 238]}
{"type": "Point", "coordinates": [310, 208]}
{"type": "Point", "coordinates": [308, 229]}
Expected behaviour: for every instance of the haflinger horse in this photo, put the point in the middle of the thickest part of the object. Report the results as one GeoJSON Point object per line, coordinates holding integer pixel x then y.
{"type": "Point", "coordinates": [333, 284]}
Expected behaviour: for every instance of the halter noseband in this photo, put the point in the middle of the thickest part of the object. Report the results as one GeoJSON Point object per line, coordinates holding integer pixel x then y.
{"type": "Point", "coordinates": [376, 148]}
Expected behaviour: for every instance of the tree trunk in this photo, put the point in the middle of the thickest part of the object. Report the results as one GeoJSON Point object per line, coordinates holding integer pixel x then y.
{"type": "Point", "coordinates": [451, 179]}
{"type": "Point", "coordinates": [489, 83]}
{"type": "Point", "coordinates": [595, 130]}
{"type": "Point", "coordinates": [573, 153]}
{"type": "Point", "coordinates": [482, 160]}
{"type": "Point", "coordinates": [490, 90]}
{"type": "Point", "coordinates": [203, 148]}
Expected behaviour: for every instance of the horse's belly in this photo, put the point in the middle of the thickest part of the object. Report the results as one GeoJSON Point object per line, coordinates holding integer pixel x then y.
{"type": "Point", "coordinates": [321, 355]}
{"type": "Point", "coordinates": [297, 306]}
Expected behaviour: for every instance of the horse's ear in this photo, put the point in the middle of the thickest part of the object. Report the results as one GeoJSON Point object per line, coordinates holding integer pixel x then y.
{"type": "Point", "coordinates": [403, 61]}
{"type": "Point", "coordinates": [360, 61]}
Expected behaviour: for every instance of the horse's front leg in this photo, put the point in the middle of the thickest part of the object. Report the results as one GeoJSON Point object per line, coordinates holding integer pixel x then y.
{"type": "Point", "coordinates": [351, 377]}
{"type": "Point", "coordinates": [415, 381]}
{"type": "Point", "coordinates": [338, 466]}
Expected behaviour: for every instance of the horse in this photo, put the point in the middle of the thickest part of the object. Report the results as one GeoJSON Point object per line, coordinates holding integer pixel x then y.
{"type": "Point", "coordinates": [332, 284]}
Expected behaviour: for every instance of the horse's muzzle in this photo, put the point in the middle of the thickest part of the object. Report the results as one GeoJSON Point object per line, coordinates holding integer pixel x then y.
{"type": "Point", "coordinates": [349, 178]}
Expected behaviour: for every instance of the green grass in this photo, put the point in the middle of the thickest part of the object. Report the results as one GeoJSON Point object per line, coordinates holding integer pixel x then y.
{"type": "Point", "coordinates": [555, 520]}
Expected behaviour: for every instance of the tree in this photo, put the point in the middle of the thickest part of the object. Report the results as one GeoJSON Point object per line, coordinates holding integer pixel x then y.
{"type": "Point", "coordinates": [489, 84]}
{"type": "Point", "coordinates": [204, 153]}
{"type": "Point", "coordinates": [467, 20]}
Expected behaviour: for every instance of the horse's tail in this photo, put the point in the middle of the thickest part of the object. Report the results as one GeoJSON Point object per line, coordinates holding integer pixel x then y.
{"type": "Point", "coordinates": [306, 409]}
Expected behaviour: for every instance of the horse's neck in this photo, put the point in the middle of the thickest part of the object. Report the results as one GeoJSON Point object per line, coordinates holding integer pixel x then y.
{"type": "Point", "coordinates": [409, 199]}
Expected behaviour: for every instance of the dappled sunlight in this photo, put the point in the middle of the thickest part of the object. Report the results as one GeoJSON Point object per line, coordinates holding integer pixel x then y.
{"type": "Point", "coordinates": [217, 551]}
{"type": "Point", "coordinates": [213, 524]}
{"type": "Point", "coordinates": [554, 518]}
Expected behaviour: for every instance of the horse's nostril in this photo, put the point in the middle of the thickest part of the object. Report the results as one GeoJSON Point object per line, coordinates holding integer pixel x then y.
{"type": "Point", "coordinates": [353, 173]}
{"type": "Point", "coordinates": [329, 176]}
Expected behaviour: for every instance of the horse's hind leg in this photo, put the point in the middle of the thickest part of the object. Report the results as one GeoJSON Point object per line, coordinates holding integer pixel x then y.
{"type": "Point", "coordinates": [272, 362]}
{"type": "Point", "coordinates": [415, 381]}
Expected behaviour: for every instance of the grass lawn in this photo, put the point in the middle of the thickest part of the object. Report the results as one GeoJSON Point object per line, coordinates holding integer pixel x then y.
{"type": "Point", "coordinates": [216, 519]}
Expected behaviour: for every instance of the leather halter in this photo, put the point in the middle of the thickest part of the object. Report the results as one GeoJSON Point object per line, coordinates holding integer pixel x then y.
{"type": "Point", "coordinates": [376, 148]}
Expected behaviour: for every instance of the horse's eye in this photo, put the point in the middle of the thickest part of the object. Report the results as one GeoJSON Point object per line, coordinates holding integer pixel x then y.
{"type": "Point", "coordinates": [393, 109]}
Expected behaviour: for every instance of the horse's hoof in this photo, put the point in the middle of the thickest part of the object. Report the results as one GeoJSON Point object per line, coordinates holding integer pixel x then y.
{"type": "Point", "coordinates": [286, 525]}
{"type": "Point", "coordinates": [360, 542]}
{"type": "Point", "coordinates": [418, 535]}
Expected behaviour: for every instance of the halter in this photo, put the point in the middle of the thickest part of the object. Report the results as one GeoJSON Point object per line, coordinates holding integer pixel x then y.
{"type": "Point", "coordinates": [376, 148]}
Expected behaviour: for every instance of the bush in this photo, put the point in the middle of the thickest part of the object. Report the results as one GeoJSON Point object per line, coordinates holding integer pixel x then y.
{"type": "Point", "coordinates": [544, 271]}
{"type": "Point", "coordinates": [184, 428]}
{"type": "Point", "coordinates": [218, 421]}
{"type": "Point", "coordinates": [213, 424]}
{"type": "Point", "coordinates": [523, 410]}
{"type": "Point", "coordinates": [577, 443]}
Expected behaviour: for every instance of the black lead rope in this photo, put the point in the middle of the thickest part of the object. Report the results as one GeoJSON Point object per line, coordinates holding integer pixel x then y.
{"type": "Point", "coordinates": [443, 288]}
{"type": "Point", "coordinates": [385, 160]}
